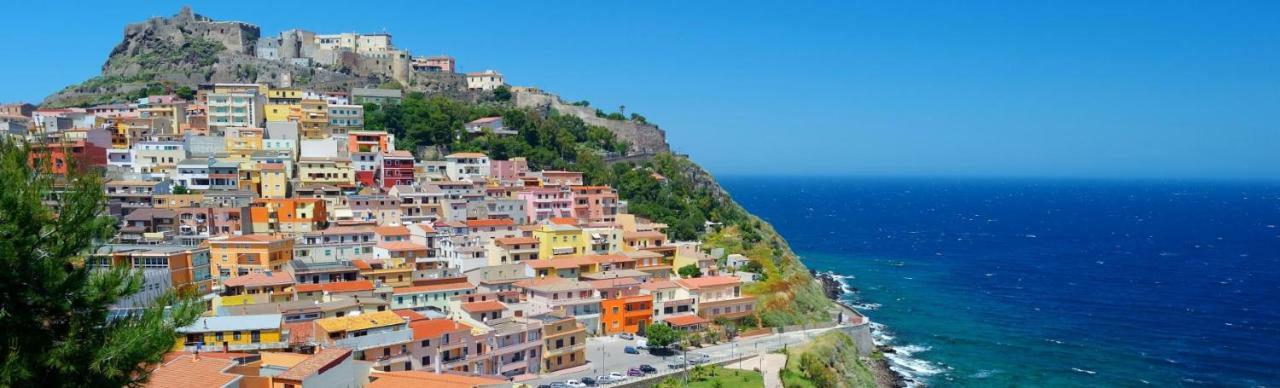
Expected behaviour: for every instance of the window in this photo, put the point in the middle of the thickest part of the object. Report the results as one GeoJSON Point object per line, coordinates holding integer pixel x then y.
{"type": "Point", "coordinates": [235, 335]}
{"type": "Point", "coordinates": [218, 336]}
{"type": "Point", "coordinates": [255, 336]}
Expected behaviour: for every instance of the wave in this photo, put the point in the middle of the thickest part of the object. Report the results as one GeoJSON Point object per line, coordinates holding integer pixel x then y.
{"type": "Point", "coordinates": [985, 373]}
{"type": "Point", "coordinates": [1086, 371]}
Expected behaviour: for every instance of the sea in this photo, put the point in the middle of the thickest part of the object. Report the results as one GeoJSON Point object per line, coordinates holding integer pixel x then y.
{"type": "Point", "coordinates": [1036, 282]}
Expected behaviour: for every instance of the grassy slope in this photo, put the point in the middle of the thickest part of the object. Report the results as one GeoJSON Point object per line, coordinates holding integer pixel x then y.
{"type": "Point", "coordinates": [835, 350]}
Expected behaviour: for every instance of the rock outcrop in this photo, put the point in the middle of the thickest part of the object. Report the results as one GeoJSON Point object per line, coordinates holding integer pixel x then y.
{"type": "Point", "coordinates": [645, 139]}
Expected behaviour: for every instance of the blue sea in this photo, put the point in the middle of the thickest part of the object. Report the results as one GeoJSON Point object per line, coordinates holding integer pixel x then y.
{"type": "Point", "coordinates": [987, 282]}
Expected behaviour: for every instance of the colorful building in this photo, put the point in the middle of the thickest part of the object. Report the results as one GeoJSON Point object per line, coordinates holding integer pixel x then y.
{"type": "Point", "coordinates": [627, 314]}
{"type": "Point", "coordinates": [233, 256]}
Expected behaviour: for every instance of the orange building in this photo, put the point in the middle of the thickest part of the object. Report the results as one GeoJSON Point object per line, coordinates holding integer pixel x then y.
{"type": "Point", "coordinates": [367, 141]}
{"type": "Point", "coordinates": [293, 215]}
{"type": "Point", "coordinates": [233, 256]}
{"type": "Point", "coordinates": [626, 314]}
{"type": "Point", "coordinates": [188, 266]}
{"type": "Point", "coordinates": [57, 158]}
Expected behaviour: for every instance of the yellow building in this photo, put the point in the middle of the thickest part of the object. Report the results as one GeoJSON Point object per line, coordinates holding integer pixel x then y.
{"type": "Point", "coordinates": [284, 95]}
{"type": "Point", "coordinates": [315, 119]}
{"type": "Point", "coordinates": [560, 240]}
{"type": "Point", "coordinates": [233, 333]}
{"type": "Point", "coordinates": [326, 171]}
{"type": "Point", "coordinates": [242, 142]}
{"type": "Point", "coordinates": [274, 181]}
{"type": "Point", "coordinates": [282, 112]}
{"type": "Point", "coordinates": [232, 256]}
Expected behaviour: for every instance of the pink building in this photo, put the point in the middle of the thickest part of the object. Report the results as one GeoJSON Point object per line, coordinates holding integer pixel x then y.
{"type": "Point", "coordinates": [509, 170]}
{"type": "Point", "coordinates": [542, 203]}
{"type": "Point", "coordinates": [595, 204]}
{"type": "Point", "coordinates": [561, 178]}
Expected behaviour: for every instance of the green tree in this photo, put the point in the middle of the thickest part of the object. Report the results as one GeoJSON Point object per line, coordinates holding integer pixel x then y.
{"type": "Point", "coordinates": [689, 271]}
{"type": "Point", "coordinates": [502, 93]}
{"type": "Point", "coordinates": [660, 335]}
{"type": "Point", "coordinates": [180, 189]}
{"type": "Point", "coordinates": [54, 325]}
{"type": "Point", "coordinates": [186, 93]}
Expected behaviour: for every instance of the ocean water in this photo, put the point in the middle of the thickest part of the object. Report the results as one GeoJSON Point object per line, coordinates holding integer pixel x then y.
{"type": "Point", "coordinates": [987, 282]}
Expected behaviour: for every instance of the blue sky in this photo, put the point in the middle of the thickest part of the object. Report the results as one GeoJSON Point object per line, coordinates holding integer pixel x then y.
{"type": "Point", "coordinates": [1161, 89]}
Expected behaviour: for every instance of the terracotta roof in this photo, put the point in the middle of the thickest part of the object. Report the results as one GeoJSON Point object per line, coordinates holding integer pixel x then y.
{"type": "Point", "coordinates": [659, 284]}
{"type": "Point", "coordinates": [485, 120]}
{"type": "Point", "coordinates": [488, 305]}
{"type": "Point", "coordinates": [610, 283]}
{"type": "Point", "coordinates": [401, 246]}
{"type": "Point", "coordinates": [391, 230]}
{"type": "Point", "coordinates": [552, 284]}
{"type": "Point", "coordinates": [516, 240]}
{"type": "Point", "coordinates": [187, 371]}
{"type": "Point", "coordinates": [416, 379]}
{"type": "Point", "coordinates": [317, 363]}
{"type": "Point", "coordinates": [466, 155]}
{"type": "Point", "coordinates": [259, 279]}
{"type": "Point", "coordinates": [648, 234]}
{"type": "Point", "coordinates": [562, 262]}
{"type": "Point", "coordinates": [351, 286]}
{"type": "Point", "coordinates": [424, 228]}
{"type": "Point", "coordinates": [563, 221]}
{"type": "Point", "coordinates": [490, 222]}
{"type": "Point", "coordinates": [249, 238]}
{"type": "Point", "coordinates": [359, 322]}
{"type": "Point", "coordinates": [397, 154]}
{"type": "Point", "coordinates": [434, 288]}
{"type": "Point", "coordinates": [685, 320]}
{"type": "Point", "coordinates": [409, 315]}
{"type": "Point", "coordinates": [708, 281]}
{"type": "Point", "coordinates": [300, 332]}
{"type": "Point", "coordinates": [433, 328]}
{"type": "Point", "coordinates": [361, 264]}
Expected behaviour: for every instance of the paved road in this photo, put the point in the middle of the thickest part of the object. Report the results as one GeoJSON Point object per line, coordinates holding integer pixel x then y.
{"type": "Point", "coordinates": [605, 354]}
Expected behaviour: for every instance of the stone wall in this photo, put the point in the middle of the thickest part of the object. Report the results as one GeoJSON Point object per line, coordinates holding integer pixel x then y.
{"type": "Point", "coordinates": [644, 138]}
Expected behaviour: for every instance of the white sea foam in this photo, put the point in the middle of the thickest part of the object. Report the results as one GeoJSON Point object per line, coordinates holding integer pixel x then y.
{"type": "Point", "coordinates": [1084, 371]}
{"type": "Point", "coordinates": [985, 373]}
{"type": "Point", "coordinates": [866, 306]}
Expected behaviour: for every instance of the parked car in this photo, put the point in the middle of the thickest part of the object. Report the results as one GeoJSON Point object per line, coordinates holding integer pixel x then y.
{"type": "Point", "coordinates": [635, 372]}
{"type": "Point", "coordinates": [590, 382]}
{"type": "Point", "coordinates": [604, 379]}
{"type": "Point", "coordinates": [617, 376]}
{"type": "Point", "coordinates": [676, 362]}
{"type": "Point", "coordinates": [699, 358]}
{"type": "Point", "coordinates": [643, 347]}
{"type": "Point", "coordinates": [574, 384]}
{"type": "Point", "coordinates": [630, 350]}
{"type": "Point", "coordinates": [646, 368]}
{"type": "Point", "coordinates": [544, 386]}
{"type": "Point", "coordinates": [626, 336]}
{"type": "Point", "coordinates": [559, 385]}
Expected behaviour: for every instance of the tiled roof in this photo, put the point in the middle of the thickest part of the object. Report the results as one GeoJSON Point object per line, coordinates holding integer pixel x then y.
{"type": "Point", "coordinates": [466, 155]}
{"type": "Point", "coordinates": [391, 230]}
{"type": "Point", "coordinates": [233, 323]}
{"type": "Point", "coordinates": [659, 284]}
{"type": "Point", "coordinates": [685, 320]}
{"type": "Point", "coordinates": [188, 371]}
{"type": "Point", "coordinates": [300, 332]}
{"type": "Point", "coordinates": [708, 281]}
{"type": "Point", "coordinates": [359, 322]}
{"type": "Point", "coordinates": [490, 222]}
{"type": "Point", "coordinates": [417, 379]}
{"type": "Point", "coordinates": [433, 328]}
{"type": "Point", "coordinates": [351, 286]}
{"type": "Point", "coordinates": [259, 279]}
{"type": "Point", "coordinates": [552, 284]}
{"type": "Point", "coordinates": [317, 363]}
{"type": "Point", "coordinates": [488, 305]}
{"type": "Point", "coordinates": [409, 315]}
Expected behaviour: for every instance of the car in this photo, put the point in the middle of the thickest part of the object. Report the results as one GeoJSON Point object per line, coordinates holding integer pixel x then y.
{"type": "Point", "coordinates": [635, 372]}
{"type": "Point", "coordinates": [643, 347]}
{"type": "Point", "coordinates": [646, 368]}
{"type": "Point", "coordinates": [559, 385]}
{"type": "Point", "coordinates": [544, 386]}
{"type": "Point", "coordinates": [630, 350]}
{"type": "Point", "coordinates": [574, 384]}
{"type": "Point", "coordinates": [590, 382]}
{"type": "Point", "coordinates": [626, 336]}
{"type": "Point", "coordinates": [699, 358]}
{"type": "Point", "coordinates": [676, 362]}
{"type": "Point", "coordinates": [617, 376]}
{"type": "Point", "coordinates": [604, 379]}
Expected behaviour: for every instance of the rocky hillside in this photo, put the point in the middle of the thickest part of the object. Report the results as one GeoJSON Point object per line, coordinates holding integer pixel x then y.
{"type": "Point", "coordinates": [189, 49]}
{"type": "Point", "coordinates": [645, 138]}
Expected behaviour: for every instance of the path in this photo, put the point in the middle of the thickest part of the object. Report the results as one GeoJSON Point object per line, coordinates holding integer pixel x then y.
{"type": "Point", "coordinates": [769, 367]}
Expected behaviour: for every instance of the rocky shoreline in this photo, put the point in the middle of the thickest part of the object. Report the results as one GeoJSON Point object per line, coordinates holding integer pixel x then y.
{"type": "Point", "coordinates": [885, 376]}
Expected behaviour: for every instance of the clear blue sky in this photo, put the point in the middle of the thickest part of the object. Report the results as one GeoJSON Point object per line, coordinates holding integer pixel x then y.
{"type": "Point", "coordinates": [1010, 88]}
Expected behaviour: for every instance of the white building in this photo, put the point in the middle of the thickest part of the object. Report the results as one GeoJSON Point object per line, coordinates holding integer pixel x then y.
{"type": "Point", "coordinates": [485, 80]}
{"type": "Point", "coordinates": [470, 166]}
{"type": "Point", "coordinates": [235, 110]}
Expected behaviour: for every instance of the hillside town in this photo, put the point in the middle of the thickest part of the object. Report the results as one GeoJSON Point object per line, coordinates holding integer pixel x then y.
{"type": "Point", "coordinates": [324, 256]}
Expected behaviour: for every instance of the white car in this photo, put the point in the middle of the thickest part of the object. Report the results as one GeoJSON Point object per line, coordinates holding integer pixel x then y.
{"type": "Point", "coordinates": [604, 379]}
{"type": "Point", "coordinates": [615, 376]}
{"type": "Point", "coordinates": [574, 383]}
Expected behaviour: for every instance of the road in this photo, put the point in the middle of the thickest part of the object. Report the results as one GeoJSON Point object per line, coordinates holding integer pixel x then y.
{"type": "Point", "coordinates": [605, 354]}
